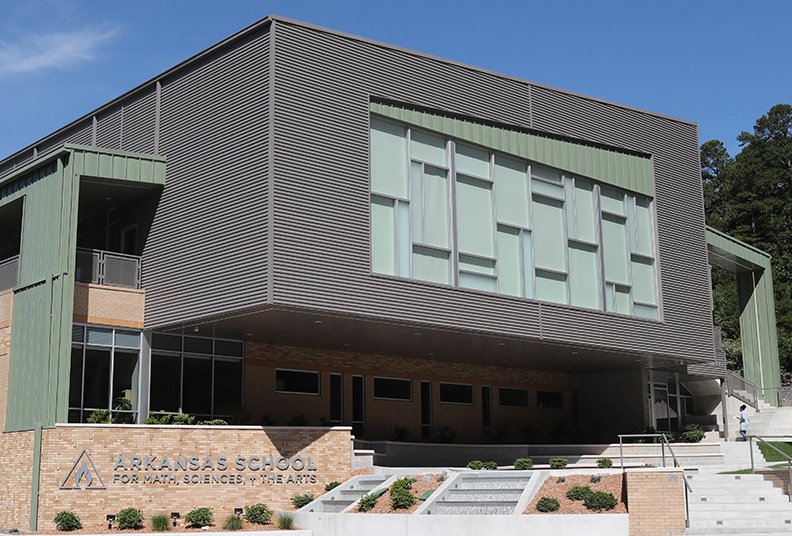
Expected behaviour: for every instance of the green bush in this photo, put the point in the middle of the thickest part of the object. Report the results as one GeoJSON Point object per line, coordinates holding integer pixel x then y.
{"type": "Point", "coordinates": [489, 466]}
{"type": "Point", "coordinates": [182, 419]}
{"type": "Point", "coordinates": [100, 416]}
{"type": "Point", "coordinates": [298, 420]}
{"type": "Point", "coordinates": [200, 517]}
{"type": "Point", "coordinates": [547, 504]}
{"type": "Point", "coordinates": [160, 522]}
{"type": "Point", "coordinates": [258, 514]}
{"type": "Point", "coordinates": [476, 465]}
{"type": "Point", "coordinates": [595, 478]}
{"type": "Point", "coordinates": [604, 463]}
{"type": "Point", "coordinates": [597, 500]}
{"type": "Point", "coordinates": [332, 485]}
{"type": "Point", "coordinates": [301, 500]}
{"type": "Point", "coordinates": [214, 422]}
{"type": "Point", "coordinates": [558, 463]}
{"type": "Point", "coordinates": [446, 435]}
{"type": "Point", "coordinates": [366, 503]}
{"type": "Point", "coordinates": [401, 496]}
{"type": "Point", "coordinates": [129, 518]}
{"type": "Point", "coordinates": [157, 418]}
{"type": "Point", "coordinates": [67, 521]}
{"type": "Point", "coordinates": [692, 434]}
{"type": "Point", "coordinates": [522, 464]}
{"type": "Point", "coordinates": [285, 521]}
{"type": "Point", "coordinates": [560, 480]}
{"type": "Point", "coordinates": [578, 493]}
{"type": "Point", "coordinates": [232, 522]}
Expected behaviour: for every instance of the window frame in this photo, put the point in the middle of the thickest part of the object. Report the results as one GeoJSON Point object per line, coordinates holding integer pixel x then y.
{"type": "Point", "coordinates": [304, 371]}
{"type": "Point", "coordinates": [451, 403]}
{"type": "Point", "coordinates": [512, 406]}
{"type": "Point", "coordinates": [374, 388]}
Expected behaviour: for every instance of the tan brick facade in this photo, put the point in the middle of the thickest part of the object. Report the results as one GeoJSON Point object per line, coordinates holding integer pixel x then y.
{"type": "Point", "coordinates": [6, 299]}
{"type": "Point", "coordinates": [176, 490]}
{"type": "Point", "coordinates": [382, 416]}
{"type": "Point", "coordinates": [108, 306]}
{"type": "Point", "coordinates": [656, 501]}
{"type": "Point", "coordinates": [16, 457]}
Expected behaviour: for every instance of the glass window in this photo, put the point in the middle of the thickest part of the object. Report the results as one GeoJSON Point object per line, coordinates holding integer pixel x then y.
{"type": "Point", "coordinates": [509, 265]}
{"type": "Point", "coordinates": [229, 348]}
{"type": "Point", "coordinates": [388, 159]}
{"type": "Point", "coordinates": [383, 236]}
{"type": "Point", "coordinates": [96, 387]}
{"type": "Point", "coordinates": [456, 393]}
{"type": "Point", "coordinates": [549, 400]}
{"type": "Point", "coordinates": [197, 345]}
{"type": "Point", "coordinates": [585, 216]}
{"type": "Point", "coordinates": [227, 386]}
{"type": "Point", "coordinates": [511, 192]}
{"type": "Point", "coordinates": [513, 398]}
{"type": "Point", "coordinates": [392, 388]}
{"type": "Point", "coordinates": [75, 378]}
{"type": "Point", "coordinates": [544, 173]}
{"type": "Point", "coordinates": [472, 161]}
{"type": "Point", "coordinates": [643, 277]}
{"type": "Point", "coordinates": [551, 287]}
{"type": "Point", "coordinates": [548, 234]}
{"type": "Point", "coordinates": [643, 227]}
{"type": "Point", "coordinates": [584, 287]}
{"type": "Point", "coordinates": [127, 339]}
{"type": "Point", "coordinates": [297, 381]}
{"type": "Point", "coordinates": [436, 220]}
{"type": "Point", "coordinates": [125, 380]}
{"type": "Point", "coordinates": [555, 191]}
{"type": "Point", "coordinates": [614, 249]}
{"type": "Point", "coordinates": [165, 386]}
{"type": "Point", "coordinates": [197, 392]}
{"type": "Point", "coordinates": [336, 398]}
{"type": "Point", "coordinates": [431, 265]}
{"type": "Point", "coordinates": [99, 336]}
{"type": "Point", "coordinates": [78, 333]}
{"type": "Point", "coordinates": [612, 201]}
{"type": "Point", "coordinates": [428, 148]}
{"type": "Point", "coordinates": [161, 341]}
{"type": "Point", "coordinates": [475, 231]}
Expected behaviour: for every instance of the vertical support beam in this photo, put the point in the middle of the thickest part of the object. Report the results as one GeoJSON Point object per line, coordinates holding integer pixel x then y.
{"type": "Point", "coordinates": [144, 377]}
{"type": "Point", "coordinates": [724, 409]}
{"type": "Point", "coordinates": [35, 478]}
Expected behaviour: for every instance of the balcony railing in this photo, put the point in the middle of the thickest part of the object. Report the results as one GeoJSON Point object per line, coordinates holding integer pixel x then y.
{"type": "Point", "coordinates": [107, 268]}
{"type": "Point", "coordinates": [9, 273]}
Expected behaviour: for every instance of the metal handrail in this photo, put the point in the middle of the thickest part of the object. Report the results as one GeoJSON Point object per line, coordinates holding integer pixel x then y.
{"type": "Point", "coordinates": [101, 257]}
{"type": "Point", "coordinates": [788, 458]}
{"type": "Point", "coordinates": [750, 388]}
{"type": "Point", "coordinates": [10, 261]}
{"type": "Point", "coordinates": [663, 444]}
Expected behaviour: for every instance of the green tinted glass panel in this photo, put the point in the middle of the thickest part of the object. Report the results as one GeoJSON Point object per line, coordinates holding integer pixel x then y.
{"type": "Point", "coordinates": [622, 299]}
{"type": "Point", "coordinates": [477, 282]}
{"type": "Point", "coordinates": [528, 264]}
{"type": "Point", "coordinates": [548, 234]}
{"type": "Point", "coordinates": [643, 286]}
{"type": "Point", "coordinates": [551, 287]}
{"type": "Point", "coordinates": [509, 266]}
{"type": "Point", "coordinates": [612, 201]}
{"type": "Point", "coordinates": [569, 206]}
{"type": "Point", "coordinates": [585, 215]}
{"type": "Point", "coordinates": [472, 161]}
{"type": "Point", "coordinates": [403, 247]}
{"type": "Point", "coordinates": [427, 148]}
{"type": "Point", "coordinates": [431, 265]}
{"type": "Point", "coordinates": [511, 192]}
{"type": "Point", "coordinates": [555, 191]}
{"type": "Point", "coordinates": [584, 286]}
{"type": "Point", "coordinates": [474, 217]}
{"type": "Point", "coordinates": [644, 227]}
{"type": "Point", "coordinates": [436, 216]}
{"type": "Point", "coordinates": [645, 311]}
{"type": "Point", "coordinates": [477, 265]}
{"type": "Point", "coordinates": [614, 249]}
{"type": "Point", "coordinates": [383, 236]}
{"type": "Point", "coordinates": [416, 200]}
{"type": "Point", "coordinates": [388, 159]}
{"type": "Point", "coordinates": [547, 174]}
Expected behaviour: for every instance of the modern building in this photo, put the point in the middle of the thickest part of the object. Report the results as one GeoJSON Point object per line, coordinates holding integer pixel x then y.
{"type": "Point", "coordinates": [301, 226]}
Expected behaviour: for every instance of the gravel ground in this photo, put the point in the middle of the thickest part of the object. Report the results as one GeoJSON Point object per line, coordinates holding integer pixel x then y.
{"type": "Point", "coordinates": [550, 488]}
{"type": "Point", "coordinates": [419, 487]}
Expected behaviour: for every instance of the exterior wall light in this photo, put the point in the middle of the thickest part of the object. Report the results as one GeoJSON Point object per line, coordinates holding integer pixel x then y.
{"type": "Point", "coordinates": [237, 512]}
{"type": "Point", "coordinates": [110, 519]}
{"type": "Point", "coordinates": [174, 517]}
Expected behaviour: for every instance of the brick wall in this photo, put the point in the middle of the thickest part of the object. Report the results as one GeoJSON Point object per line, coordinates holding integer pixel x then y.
{"type": "Point", "coordinates": [6, 299]}
{"type": "Point", "coordinates": [328, 448]}
{"type": "Point", "coordinates": [109, 306]}
{"type": "Point", "coordinates": [383, 415]}
{"type": "Point", "coordinates": [16, 459]}
{"type": "Point", "coordinates": [656, 501]}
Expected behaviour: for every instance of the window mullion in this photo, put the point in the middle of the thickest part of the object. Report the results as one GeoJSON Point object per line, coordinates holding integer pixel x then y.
{"type": "Point", "coordinates": [451, 148]}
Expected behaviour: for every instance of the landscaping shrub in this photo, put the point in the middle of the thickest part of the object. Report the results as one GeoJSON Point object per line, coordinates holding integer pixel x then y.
{"type": "Point", "coordinates": [441, 478]}
{"type": "Point", "coordinates": [366, 503]}
{"type": "Point", "coordinates": [400, 433]}
{"type": "Point", "coordinates": [213, 422]}
{"type": "Point", "coordinates": [595, 478]}
{"type": "Point", "coordinates": [200, 517]}
{"type": "Point", "coordinates": [476, 465]}
{"type": "Point", "coordinates": [446, 435]}
{"type": "Point", "coordinates": [558, 463]}
{"type": "Point", "coordinates": [547, 504]}
{"type": "Point", "coordinates": [285, 521]}
{"type": "Point", "coordinates": [160, 522]}
{"type": "Point", "coordinates": [129, 518]}
{"type": "Point", "coordinates": [258, 514]}
{"type": "Point", "coordinates": [560, 480]}
{"type": "Point", "coordinates": [298, 420]}
{"type": "Point", "coordinates": [232, 522]}
{"type": "Point", "coordinates": [67, 521]}
{"type": "Point", "coordinates": [522, 464]}
{"type": "Point", "coordinates": [578, 493]}
{"type": "Point", "coordinates": [100, 416]}
{"type": "Point", "coordinates": [301, 500]}
{"type": "Point", "coordinates": [157, 418]}
{"type": "Point", "coordinates": [597, 500]}
{"type": "Point", "coordinates": [182, 419]}
{"type": "Point", "coordinates": [604, 463]}
{"type": "Point", "coordinates": [332, 485]}
{"type": "Point", "coordinates": [692, 434]}
{"type": "Point", "coordinates": [489, 466]}
{"type": "Point", "coordinates": [401, 494]}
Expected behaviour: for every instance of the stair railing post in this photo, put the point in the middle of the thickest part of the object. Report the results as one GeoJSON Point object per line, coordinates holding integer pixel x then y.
{"type": "Point", "coordinates": [621, 452]}
{"type": "Point", "coordinates": [662, 447]}
{"type": "Point", "coordinates": [789, 482]}
{"type": "Point", "coordinates": [750, 450]}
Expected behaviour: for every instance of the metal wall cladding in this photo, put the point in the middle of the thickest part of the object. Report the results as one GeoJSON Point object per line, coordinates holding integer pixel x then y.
{"type": "Point", "coordinates": [321, 259]}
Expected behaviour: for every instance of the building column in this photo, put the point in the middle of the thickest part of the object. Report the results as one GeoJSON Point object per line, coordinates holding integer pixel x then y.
{"type": "Point", "coordinates": [724, 409]}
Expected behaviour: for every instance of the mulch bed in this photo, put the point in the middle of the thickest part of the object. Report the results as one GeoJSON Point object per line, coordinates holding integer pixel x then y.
{"type": "Point", "coordinates": [556, 490]}
{"type": "Point", "coordinates": [419, 487]}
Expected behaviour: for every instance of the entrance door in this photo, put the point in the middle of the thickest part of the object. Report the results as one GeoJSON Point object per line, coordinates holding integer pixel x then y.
{"type": "Point", "coordinates": [426, 409]}
{"type": "Point", "coordinates": [662, 412]}
{"type": "Point", "coordinates": [358, 404]}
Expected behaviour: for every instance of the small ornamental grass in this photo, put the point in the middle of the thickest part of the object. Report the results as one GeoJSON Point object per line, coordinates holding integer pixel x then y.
{"type": "Point", "coordinates": [595, 478]}
{"type": "Point", "coordinates": [401, 494]}
{"type": "Point", "coordinates": [298, 501]}
{"type": "Point", "coordinates": [160, 522]}
{"type": "Point", "coordinates": [332, 485]}
{"type": "Point", "coordinates": [258, 514]}
{"type": "Point", "coordinates": [604, 463]}
{"type": "Point", "coordinates": [129, 518]}
{"type": "Point", "coordinates": [366, 502]}
{"type": "Point", "coordinates": [547, 504]}
{"type": "Point", "coordinates": [597, 500]}
{"type": "Point", "coordinates": [560, 480]}
{"type": "Point", "coordinates": [558, 463]}
{"type": "Point", "coordinates": [285, 521]}
{"type": "Point", "coordinates": [578, 493]}
{"type": "Point", "coordinates": [200, 517]}
{"type": "Point", "coordinates": [67, 521]}
{"type": "Point", "coordinates": [522, 464]}
{"type": "Point", "coordinates": [232, 522]}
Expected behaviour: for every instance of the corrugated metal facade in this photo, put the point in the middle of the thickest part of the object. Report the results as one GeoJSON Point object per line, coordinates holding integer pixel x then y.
{"type": "Point", "coordinates": [324, 83]}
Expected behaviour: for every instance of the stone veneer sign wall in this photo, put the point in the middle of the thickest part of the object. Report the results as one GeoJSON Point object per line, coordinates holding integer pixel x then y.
{"type": "Point", "coordinates": [95, 470]}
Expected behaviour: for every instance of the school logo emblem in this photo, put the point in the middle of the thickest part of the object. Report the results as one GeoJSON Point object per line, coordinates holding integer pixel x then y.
{"type": "Point", "coordinates": [83, 474]}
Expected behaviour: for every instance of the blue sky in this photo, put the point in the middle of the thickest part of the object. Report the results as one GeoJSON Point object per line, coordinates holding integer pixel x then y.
{"type": "Point", "coordinates": [720, 63]}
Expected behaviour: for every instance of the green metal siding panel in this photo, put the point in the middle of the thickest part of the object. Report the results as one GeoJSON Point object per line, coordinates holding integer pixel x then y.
{"type": "Point", "coordinates": [742, 255]}
{"type": "Point", "coordinates": [614, 167]}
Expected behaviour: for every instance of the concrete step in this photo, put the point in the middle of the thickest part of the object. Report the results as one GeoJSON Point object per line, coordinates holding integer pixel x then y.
{"type": "Point", "coordinates": [750, 499]}
{"type": "Point", "coordinates": [746, 524]}
{"type": "Point", "coordinates": [764, 531]}
{"type": "Point", "coordinates": [708, 489]}
{"type": "Point", "coordinates": [702, 512]}
{"type": "Point", "coordinates": [489, 482]}
{"type": "Point", "coordinates": [725, 478]}
{"type": "Point", "coordinates": [335, 506]}
{"type": "Point", "coordinates": [467, 508]}
{"type": "Point", "coordinates": [504, 494]}
{"type": "Point", "coordinates": [369, 483]}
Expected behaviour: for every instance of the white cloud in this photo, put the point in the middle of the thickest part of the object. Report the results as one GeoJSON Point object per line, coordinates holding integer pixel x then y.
{"type": "Point", "coordinates": [55, 50]}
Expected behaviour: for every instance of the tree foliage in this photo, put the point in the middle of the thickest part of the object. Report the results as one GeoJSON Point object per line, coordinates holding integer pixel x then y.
{"type": "Point", "coordinates": [749, 196]}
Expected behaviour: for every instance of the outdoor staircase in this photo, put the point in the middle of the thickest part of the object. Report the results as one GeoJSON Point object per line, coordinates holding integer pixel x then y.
{"type": "Point", "coordinates": [480, 494]}
{"type": "Point", "coordinates": [737, 504]}
{"type": "Point", "coordinates": [346, 494]}
{"type": "Point", "coordinates": [770, 421]}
